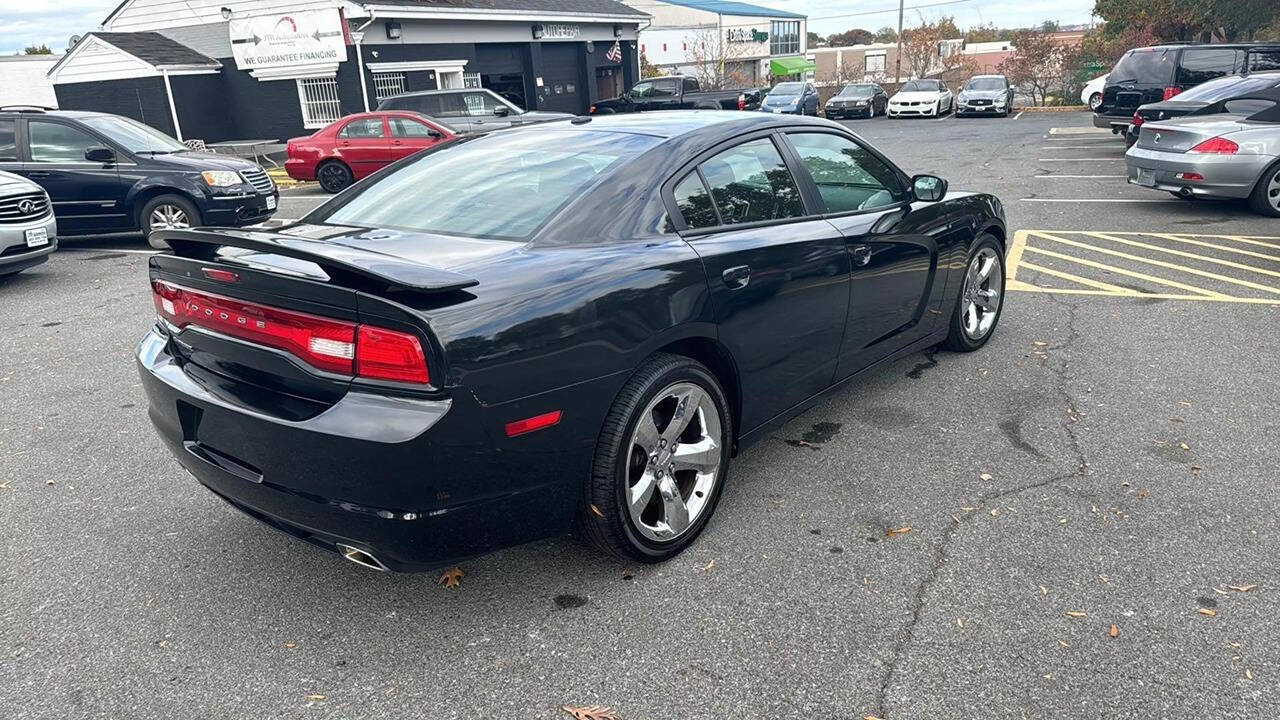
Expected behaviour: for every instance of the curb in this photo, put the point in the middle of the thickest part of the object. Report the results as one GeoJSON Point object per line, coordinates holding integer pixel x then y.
{"type": "Point", "coordinates": [282, 179]}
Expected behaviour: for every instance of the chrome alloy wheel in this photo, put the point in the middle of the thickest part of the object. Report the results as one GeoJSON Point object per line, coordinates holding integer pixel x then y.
{"type": "Point", "coordinates": [1273, 190]}
{"type": "Point", "coordinates": [168, 217]}
{"type": "Point", "coordinates": [981, 301]}
{"type": "Point", "coordinates": [674, 461]}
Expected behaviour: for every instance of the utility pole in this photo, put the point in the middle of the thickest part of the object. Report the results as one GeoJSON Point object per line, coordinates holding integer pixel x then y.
{"type": "Point", "coordinates": [897, 62]}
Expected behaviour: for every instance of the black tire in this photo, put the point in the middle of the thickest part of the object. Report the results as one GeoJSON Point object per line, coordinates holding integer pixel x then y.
{"type": "Point", "coordinates": [334, 176]}
{"type": "Point", "coordinates": [604, 521]}
{"type": "Point", "coordinates": [166, 206]}
{"type": "Point", "coordinates": [604, 111]}
{"type": "Point", "coordinates": [957, 339]}
{"type": "Point", "coordinates": [1260, 200]}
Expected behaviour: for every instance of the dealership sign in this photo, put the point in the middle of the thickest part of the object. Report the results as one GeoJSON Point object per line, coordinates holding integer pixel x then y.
{"type": "Point", "coordinates": [745, 35]}
{"type": "Point", "coordinates": [306, 37]}
{"type": "Point", "coordinates": [560, 31]}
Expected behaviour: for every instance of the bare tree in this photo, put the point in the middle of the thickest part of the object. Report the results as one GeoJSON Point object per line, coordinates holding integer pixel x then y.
{"type": "Point", "coordinates": [716, 62]}
{"type": "Point", "coordinates": [1037, 65]}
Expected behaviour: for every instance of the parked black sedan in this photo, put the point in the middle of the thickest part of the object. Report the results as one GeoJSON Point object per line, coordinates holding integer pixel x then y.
{"type": "Point", "coordinates": [582, 333]}
{"type": "Point", "coordinates": [856, 100]}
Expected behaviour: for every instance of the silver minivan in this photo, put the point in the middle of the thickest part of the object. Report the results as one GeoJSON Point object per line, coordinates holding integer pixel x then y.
{"type": "Point", "coordinates": [468, 110]}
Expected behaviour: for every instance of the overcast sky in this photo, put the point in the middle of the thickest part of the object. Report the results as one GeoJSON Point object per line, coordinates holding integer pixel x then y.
{"type": "Point", "coordinates": [52, 22]}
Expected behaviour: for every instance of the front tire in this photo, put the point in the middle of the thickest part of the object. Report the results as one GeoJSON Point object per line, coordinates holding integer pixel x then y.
{"type": "Point", "coordinates": [334, 176]}
{"type": "Point", "coordinates": [1094, 101]}
{"type": "Point", "coordinates": [660, 463]}
{"type": "Point", "coordinates": [1265, 198]}
{"type": "Point", "coordinates": [166, 212]}
{"type": "Point", "coordinates": [977, 310]}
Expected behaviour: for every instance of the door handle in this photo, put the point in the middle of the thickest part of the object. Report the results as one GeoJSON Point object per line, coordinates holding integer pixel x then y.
{"type": "Point", "coordinates": [861, 255]}
{"type": "Point", "coordinates": [39, 173]}
{"type": "Point", "coordinates": [736, 277]}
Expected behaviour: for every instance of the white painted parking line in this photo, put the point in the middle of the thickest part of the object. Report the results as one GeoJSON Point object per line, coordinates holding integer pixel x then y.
{"type": "Point", "coordinates": [1015, 117]}
{"type": "Point", "coordinates": [127, 251]}
{"type": "Point", "coordinates": [1097, 200]}
{"type": "Point", "coordinates": [1079, 131]}
{"type": "Point", "coordinates": [1079, 177]}
{"type": "Point", "coordinates": [1094, 146]}
{"type": "Point", "coordinates": [1092, 159]}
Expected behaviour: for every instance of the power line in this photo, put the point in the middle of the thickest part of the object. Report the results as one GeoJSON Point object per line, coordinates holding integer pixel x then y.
{"type": "Point", "coordinates": [641, 5]}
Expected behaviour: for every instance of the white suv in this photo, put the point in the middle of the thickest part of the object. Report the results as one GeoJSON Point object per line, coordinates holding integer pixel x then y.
{"type": "Point", "coordinates": [28, 230]}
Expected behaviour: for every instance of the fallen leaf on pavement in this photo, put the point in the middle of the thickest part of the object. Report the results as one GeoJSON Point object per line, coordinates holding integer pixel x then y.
{"type": "Point", "coordinates": [1115, 631]}
{"type": "Point", "coordinates": [1207, 611]}
{"type": "Point", "coordinates": [1040, 343]}
{"type": "Point", "coordinates": [315, 697]}
{"type": "Point", "coordinates": [968, 509]}
{"type": "Point", "coordinates": [1248, 674]}
{"type": "Point", "coordinates": [895, 532]}
{"type": "Point", "coordinates": [870, 717]}
{"type": "Point", "coordinates": [1044, 591]}
{"type": "Point", "coordinates": [596, 510]}
{"type": "Point", "coordinates": [960, 623]}
{"type": "Point", "coordinates": [986, 476]}
{"type": "Point", "coordinates": [1242, 588]}
{"type": "Point", "coordinates": [709, 565]}
{"type": "Point", "coordinates": [995, 512]}
{"type": "Point", "coordinates": [1076, 614]}
{"type": "Point", "coordinates": [590, 712]}
{"type": "Point", "coordinates": [450, 578]}
{"type": "Point", "coordinates": [1220, 591]}
{"type": "Point", "coordinates": [290, 645]}
{"type": "Point", "coordinates": [1064, 643]}
{"type": "Point", "coordinates": [1184, 446]}
{"type": "Point", "coordinates": [49, 481]}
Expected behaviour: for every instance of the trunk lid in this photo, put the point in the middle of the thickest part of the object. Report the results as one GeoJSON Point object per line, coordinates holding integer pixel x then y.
{"type": "Point", "coordinates": [1185, 134]}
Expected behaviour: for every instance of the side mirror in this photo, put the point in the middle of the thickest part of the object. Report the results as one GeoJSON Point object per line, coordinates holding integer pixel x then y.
{"type": "Point", "coordinates": [928, 188]}
{"type": "Point", "coordinates": [501, 110]}
{"type": "Point", "coordinates": [100, 155]}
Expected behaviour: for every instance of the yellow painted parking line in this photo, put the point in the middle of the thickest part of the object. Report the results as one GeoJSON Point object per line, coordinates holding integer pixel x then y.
{"type": "Point", "coordinates": [1113, 289]}
{"type": "Point", "coordinates": [1158, 263]}
{"type": "Point", "coordinates": [1179, 253]}
{"type": "Point", "coordinates": [1014, 256]}
{"type": "Point", "coordinates": [1223, 248]}
{"type": "Point", "coordinates": [1249, 239]}
{"type": "Point", "coordinates": [1123, 271]}
{"type": "Point", "coordinates": [1026, 287]}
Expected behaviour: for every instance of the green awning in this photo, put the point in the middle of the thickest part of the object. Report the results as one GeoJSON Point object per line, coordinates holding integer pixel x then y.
{"type": "Point", "coordinates": [791, 66]}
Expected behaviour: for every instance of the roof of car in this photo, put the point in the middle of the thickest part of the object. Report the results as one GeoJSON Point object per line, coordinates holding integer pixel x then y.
{"type": "Point", "coordinates": [30, 110]}
{"type": "Point", "coordinates": [673, 123]}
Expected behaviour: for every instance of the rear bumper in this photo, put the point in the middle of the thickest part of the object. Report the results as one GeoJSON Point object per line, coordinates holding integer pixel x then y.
{"type": "Point", "coordinates": [15, 254]}
{"type": "Point", "coordinates": [1225, 176]}
{"type": "Point", "coordinates": [1111, 122]}
{"type": "Point", "coordinates": [418, 484]}
{"type": "Point", "coordinates": [300, 169]}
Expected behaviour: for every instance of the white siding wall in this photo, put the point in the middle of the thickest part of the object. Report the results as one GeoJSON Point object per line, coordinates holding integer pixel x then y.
{"type": "Point", "coordinates": [96, 60]}
{"type": "Point", "coordinates": [161, 14]}
{"type": "Point", "coordinates": [23, 81]}
{"type": "Point", "coordinates": [677, 39]}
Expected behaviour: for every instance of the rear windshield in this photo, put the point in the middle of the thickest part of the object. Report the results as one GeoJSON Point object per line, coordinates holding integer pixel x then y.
{"type": "Point", "coordinates": [1145, 66]}
{"type": "Point", "coordinates": [986, 84]}
{"type": "Point", "coordinates": [921, 86]}
{"type": "Point", "coordinates": [858, 91]}
{"type": "Point", "coordinates": [1223, 88]}
{"type": "Point", "coordinates": [497, 186]}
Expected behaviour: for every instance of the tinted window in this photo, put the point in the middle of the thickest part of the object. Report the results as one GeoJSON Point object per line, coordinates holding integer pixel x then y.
{"type": "Point", "coordinates": [8, 141]}
{"type": "Point", "coordinates": [1154, 67]}
{"type": "Point", "coordinates": [690, 85]}
{"type": "Point", "coordinates": [695, 203]}
{"type": "Point", "coordinates": [133, 135]}
{"type": "Point", "coordinates": [858, 91]}
{"type": "Point", "coordinates": [922, 86]}
{"type": "Point", "coordinates": [1247, 107]}
{"type": "Point", "coordinates": [403, 103]}
{"type": "Point", "coordinates": [847, 175]}
{"type": "Point", "coordinates": [1225, 87]}
{"type": "Point", "coordinates": [750, 183]}
{"type": "Point", "coordinates": [404, 127]}
{"type": "Point", "coordinates": [367, 128]}
{"type": "Point", "coordinates": [1201, 64]}
{"type": "Point", "coordinates": [478, 103]}
{"type": "Point", "coordinates": [501, 186]}
{"type": "Point", "coordinates": [55, 142]}
{"type": "Point", "coordinates": [1264, 60]}
{"type": "Point", "coordinates": [664, 88]}
{"type": "Point", "coordinates": [451, 105]}
{"type": "Point", "coordinates": [788, 88]}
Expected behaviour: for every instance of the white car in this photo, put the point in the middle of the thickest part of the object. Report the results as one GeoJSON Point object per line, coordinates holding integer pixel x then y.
{"type": "Point", "coordinates": [1091, 95]}
{"type": "Point", "coordinates": [922, 98]}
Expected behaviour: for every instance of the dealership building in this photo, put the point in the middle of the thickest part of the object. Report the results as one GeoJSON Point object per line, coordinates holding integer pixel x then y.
{"type": "Point", "coordinates": [219, 70]}
{"type": "Point", "coordinates": [742, 43]}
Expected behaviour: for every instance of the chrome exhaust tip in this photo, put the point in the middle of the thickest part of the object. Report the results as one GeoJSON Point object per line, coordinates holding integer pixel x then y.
{"type": "Point", "coordinates": [360, 557]}
{"type": "Point", "coordinates": [1185, 191]}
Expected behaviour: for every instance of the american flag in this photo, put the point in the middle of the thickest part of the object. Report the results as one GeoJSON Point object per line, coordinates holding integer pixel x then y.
{"type": "Point", "coordinates": [615, 53]}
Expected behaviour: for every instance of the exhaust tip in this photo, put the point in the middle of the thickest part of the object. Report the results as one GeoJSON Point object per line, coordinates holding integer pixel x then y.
{"type": "Point", "coordinates": [360, 557]}
{"type": "Point", "coordinates": [1185, 191]}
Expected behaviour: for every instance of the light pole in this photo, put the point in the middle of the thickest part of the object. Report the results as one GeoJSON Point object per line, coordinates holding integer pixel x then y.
{"type": "Point", "coordinates": [897, 61]}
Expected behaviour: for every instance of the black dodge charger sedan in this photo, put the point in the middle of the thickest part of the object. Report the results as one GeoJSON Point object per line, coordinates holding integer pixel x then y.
{"type": "Point", "coordinates": [571, 325]}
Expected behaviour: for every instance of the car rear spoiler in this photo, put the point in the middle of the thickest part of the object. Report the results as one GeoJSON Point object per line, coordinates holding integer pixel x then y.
{"type": "Point", "coordinates": [343, 263]}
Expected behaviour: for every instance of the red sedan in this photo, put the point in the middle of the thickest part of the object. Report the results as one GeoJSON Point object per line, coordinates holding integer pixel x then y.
{"type": "Point", "coordinates": [358, 145]}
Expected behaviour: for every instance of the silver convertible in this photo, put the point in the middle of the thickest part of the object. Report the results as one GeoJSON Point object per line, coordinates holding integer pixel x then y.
{"type": "Point", "coordinates": [1230, 149]}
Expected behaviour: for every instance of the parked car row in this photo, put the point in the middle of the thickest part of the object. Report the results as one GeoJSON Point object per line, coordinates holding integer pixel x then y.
{"type": "Point", "coordinates": [926, 97]}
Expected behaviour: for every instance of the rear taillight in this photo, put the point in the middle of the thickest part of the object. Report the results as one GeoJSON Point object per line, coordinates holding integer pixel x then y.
{"type": "Point", "coordinates": [742, 101]}
{"type": "Point", "coordinates": [1216, 146]}
{"type": "Point", "coordinates": [1137, 120]}
{"type": "Point", "coordinates": [324, 343]}
{"type": "Point", "coordinates": [1171, 91]}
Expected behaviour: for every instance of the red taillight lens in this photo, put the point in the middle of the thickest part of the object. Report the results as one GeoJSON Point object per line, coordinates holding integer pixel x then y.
{"type": "Point", "coordinates": [323, 343]}
{"type": "Point", "coordinates": [1171, 91]}
{"type": "Point", "coordinates": [742, 101]}
{"type": "Point", "coordinates": [537, 422]}
{"type": "Point", "coordinates": [1192, 176]}
{"type": "Point", "coordinates": [390, 355]}
{"type": "Point", "coordinates": [1216, 146]}
{"type": "Point", "coordinates": [1137, 120]}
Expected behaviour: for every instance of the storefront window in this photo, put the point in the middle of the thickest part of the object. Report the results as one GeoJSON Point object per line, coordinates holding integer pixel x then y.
{"type": "Point", "coordinates": [784, 37]}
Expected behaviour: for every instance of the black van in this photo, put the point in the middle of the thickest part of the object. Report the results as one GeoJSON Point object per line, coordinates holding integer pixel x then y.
{"type": "Point", "coordinates": [1153, 74]}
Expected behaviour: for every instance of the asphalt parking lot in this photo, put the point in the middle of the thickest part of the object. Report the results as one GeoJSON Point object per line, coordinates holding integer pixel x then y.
{"type": "Point", "coordinates": [1084, 512]}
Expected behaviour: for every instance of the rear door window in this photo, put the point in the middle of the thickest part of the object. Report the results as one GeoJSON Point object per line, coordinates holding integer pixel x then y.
{"type": "Point", "coordinates": [1145, 66]}
{"type": "Point", "coordinates": [8, 140]}
{"type": "Point", "coordinates": [364, 128]}
{"type": "Point", "coordinates": [695, 202]}
{"type": "Point", "coordinates": [751, 183]}
{"type": "Point", "coordinates": [1201, 64]}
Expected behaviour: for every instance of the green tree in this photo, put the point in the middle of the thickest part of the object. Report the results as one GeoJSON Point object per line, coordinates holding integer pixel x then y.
{"type": "Point", "coordinates": [856, 36]}
{"type": "Point", "coordinates": [982, 33]}
{"type": "Point", "coordinates": [886, 34]}
{"type": "Point", "coordinates": [1050, 26]}
{"type": "Point", "coordinates": [41, 49]}
{"type": "Point", "coordinates": [815, 40]}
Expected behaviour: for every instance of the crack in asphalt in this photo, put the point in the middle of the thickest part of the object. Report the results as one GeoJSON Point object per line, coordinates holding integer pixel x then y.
{"type": "Point", "coordinates": [907, 636]}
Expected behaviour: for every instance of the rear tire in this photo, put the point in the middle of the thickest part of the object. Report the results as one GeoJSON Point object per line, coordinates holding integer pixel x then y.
{"type": "Point", "coordinates": [981, 300]}
{"type": "Point", "coordinates": [1265, 198]}
{"type": "Point", "coordinates": [664, 391]}
{"type": "Point", "coordinates": [1094, 101]}
{"type": "Point", "coordinates": [166, 212]}
{"type": "Point", "coordinates": [334, 176]}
